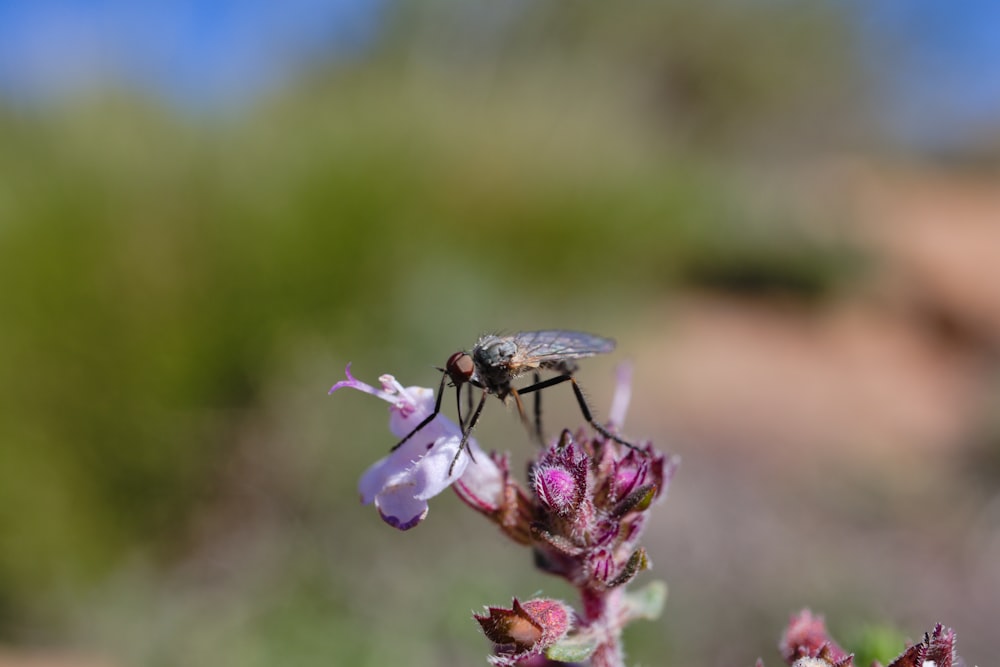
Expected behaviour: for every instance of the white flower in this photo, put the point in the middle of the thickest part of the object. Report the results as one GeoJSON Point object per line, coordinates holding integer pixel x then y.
{"type": "Point", "coordinates": [401, 483]}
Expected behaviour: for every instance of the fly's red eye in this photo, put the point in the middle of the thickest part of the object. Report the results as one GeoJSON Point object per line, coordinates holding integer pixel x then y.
{"type": "Point", "coordinates": [460, 367]}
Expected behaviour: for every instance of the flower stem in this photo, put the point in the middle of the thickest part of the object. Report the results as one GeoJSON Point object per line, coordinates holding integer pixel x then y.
{"type": "Point", "coordinates": [602, 611]}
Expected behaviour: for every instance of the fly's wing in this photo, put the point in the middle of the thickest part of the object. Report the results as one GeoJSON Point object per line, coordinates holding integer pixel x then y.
{"type": "Point", "coordinates": [548, 348]}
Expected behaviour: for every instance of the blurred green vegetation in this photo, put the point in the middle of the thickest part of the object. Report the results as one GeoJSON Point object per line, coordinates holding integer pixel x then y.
{"type": "Point", "coordinates": [881, 643]}
{"type": "Point", "coordinates": [176, 287]}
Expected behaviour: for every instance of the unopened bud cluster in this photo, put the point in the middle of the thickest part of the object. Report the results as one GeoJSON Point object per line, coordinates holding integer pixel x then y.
{"type": "Point", "coordinates": [584, 510]}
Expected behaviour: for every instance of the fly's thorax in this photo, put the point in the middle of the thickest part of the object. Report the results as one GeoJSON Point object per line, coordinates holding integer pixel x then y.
{"type": "Point", "coordinates": [493, 356]}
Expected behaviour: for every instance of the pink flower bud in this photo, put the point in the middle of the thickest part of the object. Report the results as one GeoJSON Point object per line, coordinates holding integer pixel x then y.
{"type": "Point", "coordinates": [937, 648]}
{"type": "Point", "coordinates": [560, 477]}
{"type": "Point", "coordinates": [557, 488]}
{"type": "Point", "coordinates": [630, 472]}
{"type": "Point", "coordinates": [806, 636]}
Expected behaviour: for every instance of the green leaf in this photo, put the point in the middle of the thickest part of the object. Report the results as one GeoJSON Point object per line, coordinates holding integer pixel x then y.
{"type": "Point", "coordinates": [572, 649]}
{"type": "Point", "coordinates": [647, 602]}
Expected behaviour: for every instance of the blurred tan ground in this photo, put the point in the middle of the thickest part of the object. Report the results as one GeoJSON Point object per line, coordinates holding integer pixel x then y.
{"type": "Point", "coordinates": [828, 449]}
{"type": "Point", "coordinates": [850, 377]}
{"type": "Point", "coordinates": [901, 363]}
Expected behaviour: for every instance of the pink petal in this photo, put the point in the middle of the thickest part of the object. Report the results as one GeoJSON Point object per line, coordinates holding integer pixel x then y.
{"type": "Point", "coordinates": [482, 484]}
{"type": "Point", "coordinates": [623, 395]}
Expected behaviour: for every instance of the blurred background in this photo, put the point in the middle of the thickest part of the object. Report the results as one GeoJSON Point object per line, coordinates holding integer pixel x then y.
{"type": "Point", "coordinates": [788, 214]}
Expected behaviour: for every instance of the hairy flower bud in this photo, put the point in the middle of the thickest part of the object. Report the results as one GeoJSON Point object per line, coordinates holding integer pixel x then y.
{"type": "Point", "coordinates": [558, 489]}
{"type": "Point", "coordinates": [937, 648]}
{"type": "Point", "coordinates": [601, 565]}
{"type": "Point", "coordinates": [806, 636]}
{"type": "Point", "coordinates": [524, 630]}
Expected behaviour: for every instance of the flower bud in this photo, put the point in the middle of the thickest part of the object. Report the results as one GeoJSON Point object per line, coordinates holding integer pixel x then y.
{"type": "Point", "coordinates": [601, 565]}
{"type": "Point", "coordinates": [525, 630]}
{"type": "Point", "coordinates": [937, 648]}
{"type": "Point", "coordinates": [558, 489]}
{"type": "Point", "coordinates": [628, 473]}
{"type": "Point", "coordinates": [806, 636]}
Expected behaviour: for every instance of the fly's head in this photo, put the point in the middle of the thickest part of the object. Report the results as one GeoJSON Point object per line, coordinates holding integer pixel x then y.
{"type": "Point", "coordinates": [460, 368]}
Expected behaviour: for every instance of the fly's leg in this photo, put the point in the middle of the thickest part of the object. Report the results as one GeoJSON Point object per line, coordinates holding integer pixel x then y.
{"type": "Point", "coordinates": [458, 406]}
{"type": "Point", "coordinates": [582, 402]}
{"type": "Point", "coordinates": [465, 433]}
{"type": "Point", "coordinates": [428, 420]}
{"type": "Point", "coordinates": [600, 428]}
{"type": "Point", "coordinates": [520, 408]}
{"type": "Point", "coordinates": [538, 412]}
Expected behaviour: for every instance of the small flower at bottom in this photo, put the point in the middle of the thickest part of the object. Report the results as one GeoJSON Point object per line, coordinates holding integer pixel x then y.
{"type": "Point", "coordinates": [806, 636]}
{"type": "Point", "coordinates": [806, 643]}
{"type": "Point", "coordinates": [525, 630]}
{"type": "Point", "coordinates": [401, 483]}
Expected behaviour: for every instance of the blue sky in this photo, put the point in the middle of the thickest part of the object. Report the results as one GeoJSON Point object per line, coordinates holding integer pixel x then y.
{"type": "Point", "coordinates": [938, 62]}
{"type": "Point", "coordinates": [194, 52]}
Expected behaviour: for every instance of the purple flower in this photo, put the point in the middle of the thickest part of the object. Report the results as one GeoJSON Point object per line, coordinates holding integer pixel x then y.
{"type": "Point", "coordinates": [401, 483]}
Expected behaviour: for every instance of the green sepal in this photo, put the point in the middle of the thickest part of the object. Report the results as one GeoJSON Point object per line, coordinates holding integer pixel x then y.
{"type": "Point", "coordinates": [637, 501]}
{"type": "Point", "coordinates": [637, 562]}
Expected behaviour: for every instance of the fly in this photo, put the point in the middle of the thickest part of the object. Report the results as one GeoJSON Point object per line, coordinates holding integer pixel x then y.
{"type": "Point", "coordinates": [496, 361]}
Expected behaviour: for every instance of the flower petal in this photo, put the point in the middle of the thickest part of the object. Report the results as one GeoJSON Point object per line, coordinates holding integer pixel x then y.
{"type": "Point", "coordinates": [482, 483]}
{"type": "Point", "coordinates": [381, 474]}
{"type": "Point", "coordinates": [434, 472]}
{"type": "Point", "coordinates": [622, 396]}
{"type": "Point", "coordinates": [354, 383]}
{"type": "Point", "coordinates": [399, 508]}
{"type": "Point", "coordinates": [412, 406]}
